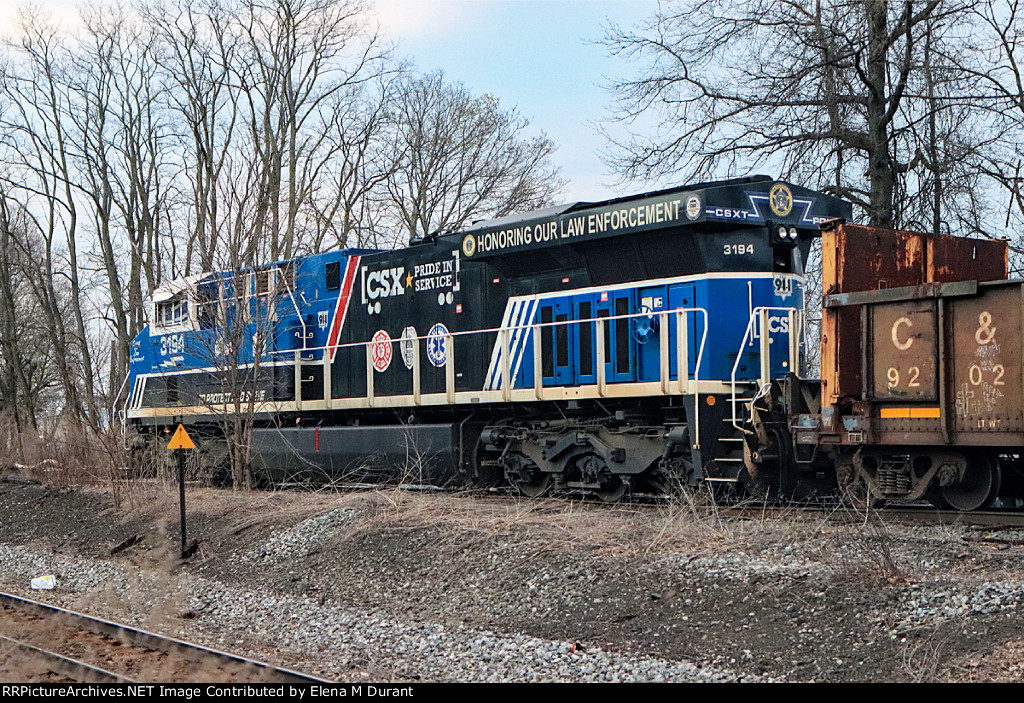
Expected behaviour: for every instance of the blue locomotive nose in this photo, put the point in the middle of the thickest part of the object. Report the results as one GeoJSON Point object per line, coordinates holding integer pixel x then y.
{"type": "Point", "coordinates": [288, 335]}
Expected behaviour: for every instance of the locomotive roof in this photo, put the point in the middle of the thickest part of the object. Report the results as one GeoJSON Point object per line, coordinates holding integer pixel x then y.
{"type": "Point", "coordinates": [564, 208]}
{"type": "Point", "coordinates": [709, 207]}
{"type": "Point", "coordinates": [170, 289]}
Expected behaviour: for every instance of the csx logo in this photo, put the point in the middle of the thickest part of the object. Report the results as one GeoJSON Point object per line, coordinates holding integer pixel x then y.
{"type": "Point", "coordinates": [382, 284]}
{"type": "Point", "coordinates": [776, 324]}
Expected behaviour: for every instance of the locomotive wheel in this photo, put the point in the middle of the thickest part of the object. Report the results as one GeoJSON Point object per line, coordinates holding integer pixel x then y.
{"type": "Point", "coordinates": [979, 488]}
{"type": "Point", "coordinates": [537, 485]}
{"type": "Point", "coordinates": [613, 492]}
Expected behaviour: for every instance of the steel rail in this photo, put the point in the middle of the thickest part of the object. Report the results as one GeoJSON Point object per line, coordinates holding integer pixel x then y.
{"type": "Point", "coordinates": [159, 642]}
{"type": "Point", "coordinates": [73, 667]}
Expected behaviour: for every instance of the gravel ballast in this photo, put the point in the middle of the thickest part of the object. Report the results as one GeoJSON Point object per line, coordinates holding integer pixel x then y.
{"type": "Point", "coordinates": [397, 587]}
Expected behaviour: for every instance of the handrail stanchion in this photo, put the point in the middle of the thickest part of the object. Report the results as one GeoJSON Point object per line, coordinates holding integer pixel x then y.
{"type": "Point", "coordinates": [326, 360]}
{"type": "Point", "coordinates": [663, 354]}
{"type": "Point", "coordinates": [298, 379]}
{"type": "Point", "coordinates": [417, 393]}
{"type": "Point", "coordinates": [538, 369]}
{"type": "Point", "coordinates": [369, 373]}
{"type": "Point", "coordinates": [506, 385]}
{"type": "Point", "coordinates": [765, 340]}
{"type": "Point", "coordinates": [682, 352]}
{"type": "Point", "coordinates": [735, 367]}
{"type": "Point", "coordinates": [696, 379]}
{"type": "Point", "coordinates": [794, 343]}
{"type": "Point", "coordinates": [449, 367]}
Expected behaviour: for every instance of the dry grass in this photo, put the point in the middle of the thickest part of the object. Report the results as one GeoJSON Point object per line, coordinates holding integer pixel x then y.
{"type": "Point", "coordinates": [691, 522]}
{"type": "Point", "coordinates": [1002, 664]}
{"type": "Point", "coordinates": [861, 552]}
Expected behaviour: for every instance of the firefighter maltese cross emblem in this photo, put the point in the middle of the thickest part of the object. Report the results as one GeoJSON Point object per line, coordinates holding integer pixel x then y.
{"type": "Point", "coordinates": [381, 350]}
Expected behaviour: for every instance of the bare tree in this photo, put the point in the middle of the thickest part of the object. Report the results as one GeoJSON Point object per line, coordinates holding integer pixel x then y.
{"type": "Point", "coordinates": [992, 65]}
{"type": "Point", "coordinates": [356, 164]}
{"type": "Point", "coordinates": [460, 157]}
{"type": "Point", "coordinates": [27, 373]}
{"type": "Point", "coordinates": [297, 55]}
{"type": "Point", "coordinates": [851, 94]}
{"type": "Point", "coordinates": [116, 114]}
{"type": "Point", "coordinates": [165, 137]}
{"type": "Point", "coordinates": [198, 51]}
{"type": "Point", "coordinates": [36, 132]}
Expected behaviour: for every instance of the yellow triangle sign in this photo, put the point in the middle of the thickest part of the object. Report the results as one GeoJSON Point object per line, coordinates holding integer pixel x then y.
{"type": "Point", "coordinates": [181, 440]}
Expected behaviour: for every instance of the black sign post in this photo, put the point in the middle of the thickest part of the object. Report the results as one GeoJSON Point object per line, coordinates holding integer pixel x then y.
{"type": "Point", "coordinates": [179, 443]}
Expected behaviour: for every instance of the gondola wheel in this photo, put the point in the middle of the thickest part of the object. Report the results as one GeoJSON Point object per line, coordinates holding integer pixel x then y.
{"type": "Point", "coordinates": [978, 489]}
{"type": "Point", "coordinates": [857, 495]}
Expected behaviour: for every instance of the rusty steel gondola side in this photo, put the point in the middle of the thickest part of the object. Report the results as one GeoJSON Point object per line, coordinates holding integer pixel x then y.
{"type": "Point", "coordinates": [922, 365]}
{"type": "Point", "coordinates": [858, 259]}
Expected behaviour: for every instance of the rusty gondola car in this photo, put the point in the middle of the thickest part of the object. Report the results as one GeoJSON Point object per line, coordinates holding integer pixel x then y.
{"type": "Point", "coordinates": [922, 352]}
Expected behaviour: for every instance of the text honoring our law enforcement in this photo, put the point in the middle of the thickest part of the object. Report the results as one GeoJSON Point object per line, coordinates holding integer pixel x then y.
{"type": "Point", "coordinates": [568, 227]}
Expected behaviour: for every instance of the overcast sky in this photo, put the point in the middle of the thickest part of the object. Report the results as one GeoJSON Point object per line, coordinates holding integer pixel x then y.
{"type": "Point", "coordinates": [537, 55]}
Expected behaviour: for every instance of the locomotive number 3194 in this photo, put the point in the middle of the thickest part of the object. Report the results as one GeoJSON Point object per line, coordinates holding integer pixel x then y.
{"type": "Point", "coordinates": [738, 249]}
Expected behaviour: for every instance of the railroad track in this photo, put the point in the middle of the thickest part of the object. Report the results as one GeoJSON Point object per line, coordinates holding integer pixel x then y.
{"type": "Point", "coordinates": [915, 514]}
{"type": "Point", "coordinates": [834, 509]}
{"type": "Point", "coordinates": [65, 645]}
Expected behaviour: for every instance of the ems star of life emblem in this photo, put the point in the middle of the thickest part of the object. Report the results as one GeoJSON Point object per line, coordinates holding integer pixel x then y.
{"type": "Point", "coordinates": [437, 346]}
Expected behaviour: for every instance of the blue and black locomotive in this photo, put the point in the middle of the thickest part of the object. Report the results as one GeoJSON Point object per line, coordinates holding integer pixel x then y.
{"type": "Point", "coordinates": [597, 346]}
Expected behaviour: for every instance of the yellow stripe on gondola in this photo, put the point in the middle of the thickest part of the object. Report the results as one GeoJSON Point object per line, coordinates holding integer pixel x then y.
{"type": "Point", "coordinates": [909, 413]}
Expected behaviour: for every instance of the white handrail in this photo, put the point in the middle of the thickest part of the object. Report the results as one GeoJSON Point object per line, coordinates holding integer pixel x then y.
{"type": "Point", "coordinates": [124, 413]}
{"type": "Point", "coordinates": [761, 314]}
{"type": "Point", "coordinates": [508, 380]}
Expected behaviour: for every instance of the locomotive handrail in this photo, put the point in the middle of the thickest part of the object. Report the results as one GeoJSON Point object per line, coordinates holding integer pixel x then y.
{"type": "Point", "coordinates": [486, 330]}
{"type": "Point", "coordinates": [124, 413]}
{"type": "Point", "coordinates": [761, 315]}
{"type": "Point", "coordinates": [685, 383]}
{"type": "Point", "coordinates": [504, 333]}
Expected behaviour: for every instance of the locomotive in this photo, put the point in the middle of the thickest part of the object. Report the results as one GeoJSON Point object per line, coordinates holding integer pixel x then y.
{"type": "Point", "coordinates": [600, 347]}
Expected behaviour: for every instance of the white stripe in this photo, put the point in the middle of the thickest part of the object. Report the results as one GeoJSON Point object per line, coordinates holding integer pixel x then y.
{"type": "Point", "coordinates": [519, 319]}
{"type": "Point", "coordinates": [496, 350]}
{"type": "Point", "coordinates": [634, 285]}
{"type": "Point", "coordinates": [531, 307]}
{"type": "Point", "coordinates": [159, 373]}
{"type": "Point", "coordinates": [527, 395]}
{"type": "Point", "coordinates": [517, 315]}
{"type": "Point", "coordinates": [517, 311]}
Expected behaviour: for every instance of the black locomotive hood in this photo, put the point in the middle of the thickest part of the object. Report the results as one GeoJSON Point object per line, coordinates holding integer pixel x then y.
{"type": "Point", "coordinates": [750, 201]}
